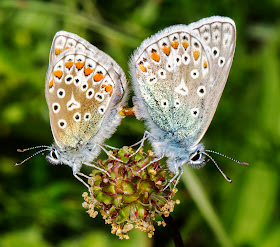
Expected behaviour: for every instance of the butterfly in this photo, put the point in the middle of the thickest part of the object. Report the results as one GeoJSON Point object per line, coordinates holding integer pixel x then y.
{"type": "Point", "coordinates": [178, 78]}
{"type": "Point", "coordinates": [85, 90]}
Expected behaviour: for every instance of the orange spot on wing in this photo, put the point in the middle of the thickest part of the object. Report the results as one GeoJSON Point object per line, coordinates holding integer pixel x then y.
{"type": "Point", "coordinates": [98, 76]}
{"type": "Point", "coordinates": [204, 64]}
{"type": "Point", "coordinates": [88, 70]}
{"type": "Point", "coordinates": [67, 47]}
{"type": "Point", "coordinates": [51, 84]}
{"type": "Point", "coordinates": [175, 44]}
{"type": "Point", "coordinates": [80, 65]}
{"type": "Point", "coordinates": [155, 56]}
{"type": "Point", "coordinates": [166, 49]}
{"type": "Point", "coordinates": [185, 44]}
{"type": "Point", "coordinates": [57, 51]}
{"type": "Point", "coordinates": [111, 93]}
{"type": "Point", "coordinates": [143, 68]}
{"type": "Point", "coordinates": [69, 64]}
{"type": "Point", "coordinates": [103, 85]}
{"type": "Point", "coordinates": [58, 73]}
{"type": "Point", "coordinates": [108, 88]}
{"type": "Point", "coordinates": [196, 54]}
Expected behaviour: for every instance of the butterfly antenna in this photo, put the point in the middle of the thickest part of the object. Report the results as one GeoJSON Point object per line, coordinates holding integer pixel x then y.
{"type": "Point", "coordinates": [27, 149]}
{"type": "Point", "coordinates": [237, 161]}
{"type": "Point", "coordinates": [212, 159]}
{"type": "Point", "coordinates": [28, 158]}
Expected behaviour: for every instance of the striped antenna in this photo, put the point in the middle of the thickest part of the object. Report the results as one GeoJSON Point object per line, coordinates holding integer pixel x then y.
{"type": "Point", "coordinates": [237, 161]}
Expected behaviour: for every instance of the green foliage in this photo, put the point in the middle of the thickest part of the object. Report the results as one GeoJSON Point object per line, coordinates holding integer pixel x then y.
{"type": "Point", "coordinates": [41, 203]}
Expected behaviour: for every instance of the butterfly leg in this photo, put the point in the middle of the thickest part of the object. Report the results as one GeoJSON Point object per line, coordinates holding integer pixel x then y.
{"type": "Point", "coordinates": [151, 162]}
{"type": "Point", "coordinates": [141, 142]}
{"type": "Point", "coordinates": [107, 146]}
{"type": "Point", "coordinates": [178, 174]}
{"type": "Point", "coordinates": [96, 167]}
{"type": "Point", "coordinates": [81, 180]}
{"type": "Point", "coordinates": [109, 154]}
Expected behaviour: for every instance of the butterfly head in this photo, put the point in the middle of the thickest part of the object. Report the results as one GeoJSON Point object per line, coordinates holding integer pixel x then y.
{"type": "Point", "coordinates": [53, 156]}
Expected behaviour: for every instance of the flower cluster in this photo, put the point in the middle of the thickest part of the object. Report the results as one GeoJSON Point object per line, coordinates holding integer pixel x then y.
{"type": "Point", "coordinates": [131, 196]}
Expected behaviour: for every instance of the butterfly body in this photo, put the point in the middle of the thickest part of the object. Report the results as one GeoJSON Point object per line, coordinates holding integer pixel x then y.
{"type": "Point", "coordinates": [85, 90]}
{"type": "Point", "coordinates": [178, 76]}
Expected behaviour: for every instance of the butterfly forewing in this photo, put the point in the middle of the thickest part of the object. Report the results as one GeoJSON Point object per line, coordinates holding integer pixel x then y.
{"type": "Point", "coordinates": [183, 65]}
{"type": "Point", "coordinates": [83, 86]}
{"type": "Point", "coordinates": [180, 77]}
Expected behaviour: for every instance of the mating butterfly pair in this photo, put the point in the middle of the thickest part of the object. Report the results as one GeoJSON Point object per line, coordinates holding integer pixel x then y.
{"type": "Point", "coordinates": [178, 76]}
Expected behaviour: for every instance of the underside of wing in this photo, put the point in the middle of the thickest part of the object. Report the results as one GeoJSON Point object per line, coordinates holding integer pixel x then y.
{"type": "Point", "coordinates": [84, 91]}
{"type": "Point", "coordinates": [179, 77]}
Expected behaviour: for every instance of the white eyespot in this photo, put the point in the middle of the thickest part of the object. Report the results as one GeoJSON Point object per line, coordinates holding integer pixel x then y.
{"type": "Point", "coordinates": [186, 58]}
{"type": "Point", "coordinates": [87, 116]}
{"type": "Point", "coordinates": [201, 91]}
{"type": "Point", "coordinates": [60, 93]}
{"type": "Point", "coordinates": [182, 88]}
{"type": "Point", "coordinates": [178, 60]}
{"type": "Point", "coordinates": [84, 86]}
{"type": "Point", "coordinates": [90, 93]}
{"type": "Point", "coordinates": [99, 97]}
{"type": "Point", "coordinates": [221, 61]}
{"type": "Point", "coordinates": [101, 109]}
{"type": "Point", "coordinates": [73, 104]}
{"type": "Point", "coordinates": [194, 112]}
{"type": "Point", "coordinates": [177, 103]}
{"type": "Point", "coordinates": [152, 79]}
{"type": "Point", "coordinates": [62, 123]}
{"type": "Point", "coordinates": [77, 117]}
{"type": "Point", "coordinates": [164, 103]}
{"type": "Point", "coordinates": [215, 52]}
{"type": "Point", "coordinates": [194, 73]}
{"type": "Point", "coordinates": [68, 79]}
{"type": "Point", "coordinates": [77, 81]}
{"type": "Point", "coordinates": [169, 67]}
{"type": "Point", "coordinates": [56, 107]}
{"type": "Point", "coordinates": [162, 73]}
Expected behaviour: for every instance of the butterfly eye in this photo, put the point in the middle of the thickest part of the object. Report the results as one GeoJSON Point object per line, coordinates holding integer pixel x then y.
{"type": "Point", "coordinates": [196, 157]}
{"type": "Point", "coordinates": [54, 155]}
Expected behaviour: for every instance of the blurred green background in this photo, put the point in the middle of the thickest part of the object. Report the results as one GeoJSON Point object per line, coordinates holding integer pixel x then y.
{"type": "Point", "coordinates": [41, 203]}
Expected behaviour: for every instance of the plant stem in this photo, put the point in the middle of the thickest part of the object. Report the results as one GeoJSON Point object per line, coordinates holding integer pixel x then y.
{"type": "Point", "coordinates": [178, 241]}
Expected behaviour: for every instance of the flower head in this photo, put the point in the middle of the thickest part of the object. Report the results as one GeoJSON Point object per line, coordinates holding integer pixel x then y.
{"type": "Point", "coordinates": [131, 196]}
